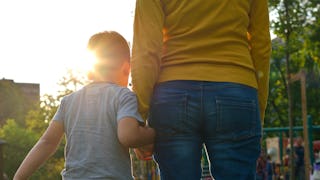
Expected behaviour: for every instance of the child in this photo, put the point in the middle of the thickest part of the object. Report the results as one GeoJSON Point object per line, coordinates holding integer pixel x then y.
{"type": "Point", "coordinates": [100, 121]}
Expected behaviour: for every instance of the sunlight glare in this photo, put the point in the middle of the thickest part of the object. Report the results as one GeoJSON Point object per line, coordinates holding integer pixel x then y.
{"type": "Point", "coordinates": [39, 45]}
{"type": "Point", "coordinates": [82, 64]}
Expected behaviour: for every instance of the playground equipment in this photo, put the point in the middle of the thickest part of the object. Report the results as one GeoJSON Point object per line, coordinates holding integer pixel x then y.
{"type": "Point", "coordinates": [309, 156]}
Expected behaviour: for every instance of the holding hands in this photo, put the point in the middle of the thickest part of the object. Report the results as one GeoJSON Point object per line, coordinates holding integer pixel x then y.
{"type": "Point", "coordinates": [144, 152]}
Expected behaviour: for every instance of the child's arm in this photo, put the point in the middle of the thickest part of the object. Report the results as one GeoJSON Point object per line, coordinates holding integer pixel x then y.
{"type": "Point", "coordinates": [44, 148]}
{"type": "Point", "coordinates": [132, 134]}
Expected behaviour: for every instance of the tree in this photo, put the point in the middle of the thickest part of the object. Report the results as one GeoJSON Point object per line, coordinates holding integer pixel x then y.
{"type": "Point", "coordinates": [294, 17]}
{"type": "Point", "coordinates": [302, 50]}
{"type": "Point", "coordinates": [71, 82]}
{"type": "Point", "coordinates": [21, 137]}
{"type": "Point", "coordinates": [19, 141]}
{"type": "Point", "coordinates": [276, 113]}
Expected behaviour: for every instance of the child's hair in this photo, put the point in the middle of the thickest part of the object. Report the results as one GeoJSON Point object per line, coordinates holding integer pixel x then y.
{"type": "Point", "coordinates": [108, 39]}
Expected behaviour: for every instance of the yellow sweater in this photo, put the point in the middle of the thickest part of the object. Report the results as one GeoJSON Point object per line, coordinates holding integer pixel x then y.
{"type": "Point", "coordinates": [205, 40]}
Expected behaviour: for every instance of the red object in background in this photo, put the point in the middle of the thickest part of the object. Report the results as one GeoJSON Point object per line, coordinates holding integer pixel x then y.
{"type": "Point", "coordinates": [316, 145]}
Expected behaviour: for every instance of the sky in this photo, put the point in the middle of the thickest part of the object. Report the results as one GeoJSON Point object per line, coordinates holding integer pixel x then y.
{"type": "Point", "coordinates": [41, 39]}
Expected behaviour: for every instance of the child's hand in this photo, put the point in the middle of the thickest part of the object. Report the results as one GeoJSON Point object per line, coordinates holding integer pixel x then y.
{"type": "Point", "coordinates": [144, 152]}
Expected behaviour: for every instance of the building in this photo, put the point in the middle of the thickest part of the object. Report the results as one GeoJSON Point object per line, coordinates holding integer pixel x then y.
{"type": "Point", "coordinates": [16, 99]}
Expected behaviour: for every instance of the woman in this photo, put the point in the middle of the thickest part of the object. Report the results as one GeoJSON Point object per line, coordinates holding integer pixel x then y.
{"type": "Point", "coordinates": [200, 70]}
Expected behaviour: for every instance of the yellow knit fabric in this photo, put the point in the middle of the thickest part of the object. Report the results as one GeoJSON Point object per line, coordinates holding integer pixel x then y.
{"type": "Point", "coordinates": [207, 40]}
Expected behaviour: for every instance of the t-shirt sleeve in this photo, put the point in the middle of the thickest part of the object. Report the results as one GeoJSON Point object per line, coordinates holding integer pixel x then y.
{"type": "Point", "coordinates": [128, 106]}
{"type": "Point", "coordinates": [60, 113]}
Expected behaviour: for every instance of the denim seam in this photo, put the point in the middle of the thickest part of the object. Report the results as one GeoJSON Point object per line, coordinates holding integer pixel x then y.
{"type": "Point", "coordinates": [201, 105]}
{"type": "Point", "coordinates": [177, 129]}
{"type": "Point", "coordinates": [252, 129]}
{"type": "Point", "coordinates": [185, 106]}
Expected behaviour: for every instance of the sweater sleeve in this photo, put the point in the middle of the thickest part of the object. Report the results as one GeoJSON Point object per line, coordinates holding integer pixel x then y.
{"type": "Point", "coordinates": [146, 51]}
{"type": "Point", "coordinates": [260, 44]}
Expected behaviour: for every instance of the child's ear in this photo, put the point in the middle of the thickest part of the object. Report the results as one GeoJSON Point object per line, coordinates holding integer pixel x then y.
{"type": "Point", "coordinates": [126, 68]}
{"type": "Point", "coordinates": [90, 75]}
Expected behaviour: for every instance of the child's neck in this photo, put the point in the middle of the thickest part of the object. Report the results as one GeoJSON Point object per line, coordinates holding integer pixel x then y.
{"type": "Point", "coordinates": [119, 83]}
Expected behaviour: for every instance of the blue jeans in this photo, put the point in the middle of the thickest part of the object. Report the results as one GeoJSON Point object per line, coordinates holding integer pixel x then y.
{"type": "Point", "coordinates": [222, 116]}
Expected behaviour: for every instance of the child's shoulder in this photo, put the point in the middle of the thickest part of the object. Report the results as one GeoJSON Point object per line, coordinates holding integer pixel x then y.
{"type": "Point", "coordinates": [112, 89]}
{"type": "Point", "coordinates": [119, 91]}
{"type": "Point", "coordinates": [126, 91]}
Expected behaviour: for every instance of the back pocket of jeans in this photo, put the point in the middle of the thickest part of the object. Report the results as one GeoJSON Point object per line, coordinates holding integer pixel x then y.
{"type": "Point", "coordinates": [237, 118]}
{"type": "Point", "coordinates": [168, 113]}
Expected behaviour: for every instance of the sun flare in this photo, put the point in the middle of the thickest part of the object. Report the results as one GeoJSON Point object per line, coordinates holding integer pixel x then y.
{"type": "Point", "coordinates": [39, 45]}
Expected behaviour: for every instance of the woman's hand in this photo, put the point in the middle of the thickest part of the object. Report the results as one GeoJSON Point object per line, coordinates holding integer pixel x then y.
{"type": "Point", "coordinates": [144, 152]}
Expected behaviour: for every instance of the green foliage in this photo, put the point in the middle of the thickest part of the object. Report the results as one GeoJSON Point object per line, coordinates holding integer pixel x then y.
{"type": "Point", "coordinates": [19, 142]}
{"type": "Point", "coordinates": [276, 113]}
{"type": "Point", "coordinates": [35, 121]}
{"type": "Point", "coordinates": [297, 26]}
{"type": "Point", "coordinates": [71, 82]}
{"type": "Point", "coordinates": [49, 105]}
{"type": "Point", "coordinates": [22, 136]}
{"type": "Point", "coordinates": [290, 18]}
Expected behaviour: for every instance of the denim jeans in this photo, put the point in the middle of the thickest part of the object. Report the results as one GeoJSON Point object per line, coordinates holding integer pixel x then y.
{"type": "Point", "coordinates": [222, 116]}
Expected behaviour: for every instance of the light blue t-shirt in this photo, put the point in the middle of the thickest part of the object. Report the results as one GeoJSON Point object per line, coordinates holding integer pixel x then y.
{"type": "Point", "coordinates": [90, 117]}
